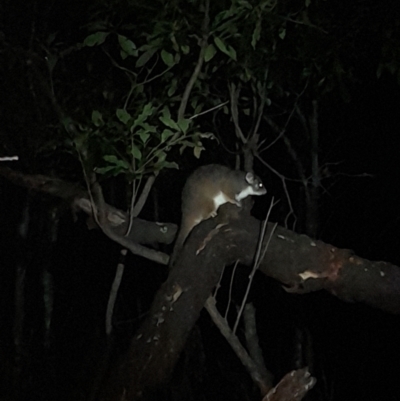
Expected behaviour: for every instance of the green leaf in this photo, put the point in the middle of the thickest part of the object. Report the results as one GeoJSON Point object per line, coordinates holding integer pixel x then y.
{"type": "Point", "coordinates": [95, 39]}
{"type": "Point", "coordinates": [167, 120]}
{"type": "Point", "coordinates": [127, 45]}
{"type": "Point", "coordinates": [111, 159]}
{"type": "Point", "coordinates": [142, 117]}
{"type": "Point", "coordinates": [282, 33]}
{"type": "Point", "coordinates": [209, 52]}
{"type": "Point", "coordinates": [185, 49]}
{"type": "Point", "coordinates": [97, 118]}
{"type": "Point", "coordinates": [228, 50]}
{"type": "Point", "coordinates": [144, 136]}
{"type": "Point", "coordinates": [184, 125]}
{"type": "Point", "coordinates": [123, 116]}
{"type": "Point", "coordinates": [166, 134]}
{"type": "Point", "coordinates": [307, 3]}
{"type": "Point", "coordinates": [136, 153]}
{"type": "Point", "coordinates": [165, 164]}
{"type": "Point", "coordinates": [220, 44]}
{"type": "Point", "coordinates": [197, 150]}
{"type": "Point", "coordinates": [168, 58]}
{"type": "Point", "coordinates": [256, 34]}
{"type": "Point", "coordinates": [104, 170]}
{"type": "Point", "coordinates": [161, 156]}
{"type": "Point", "coordinates": [172, 88]}
{"type": "Point", "coordinates": [145, 57]}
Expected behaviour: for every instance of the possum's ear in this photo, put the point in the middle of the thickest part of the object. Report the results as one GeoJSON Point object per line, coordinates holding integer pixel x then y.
{"type": "Point", "coordinates": [250, 178]}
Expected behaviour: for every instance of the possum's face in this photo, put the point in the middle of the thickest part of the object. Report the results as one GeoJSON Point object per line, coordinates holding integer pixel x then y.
{"type": "Point", "coordinates": [254, 187]}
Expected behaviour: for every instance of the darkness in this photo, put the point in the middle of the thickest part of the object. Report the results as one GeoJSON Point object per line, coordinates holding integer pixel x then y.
{"type": "Point", "coordinates": [352, 349]}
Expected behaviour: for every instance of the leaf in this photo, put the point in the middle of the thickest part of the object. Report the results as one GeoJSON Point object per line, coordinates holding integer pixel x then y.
{"type": "Point", "coordinates": [185, 144]}
{"type": "Point", "coordinates": [221, 45]}
{"type": "Point", "coordinates": [97, 118]}
{"type": "Point", "coordinates": [228, 50]}
{"type": "Point", "coordinates": [307, 3]}
{"type": "Point", "coordinates": [117, 165]}
{"type": "Point", "coordinates": [185, 49]}
{"type": "Point", "coordinates": [166, 134]}
{"type": "Point", "coordinates": [168, 58]}
{"type": "Point", "coordinates": [209, 52]}
{"type": "Point", "coordinates": [123, 116]}
{"type": "Point", "coordinates": [172, 88]}
{"type": "Point", "coordinates": [197, 151]}
{"type": "Point", "coordinates": [282, 33]}
{"type": "Point", "coordinates": [166, 164]}
{"type": "Point", "coordinates": [127, 45]}
{"type": "Point", "coordinates": [184, 124]}
{"type": "Point", "coordinates": [256, 34]}
{"type": "Point", "coordinates": [111, 159]}
{"type": "Point", "coordinates": [136, 153]}
{"type": "Point", "coordinates": [144, 136]}
{"type": "Point", "coordinates": [145, 57]}
{"type": "Point", "coordinates": [95, 39]}
{"type": "Point", "coordinates": [142, 117]}
{"type": "Point", "coordinates": [167, 120]}
{"type": "Point", "coordinates": [104, 170]}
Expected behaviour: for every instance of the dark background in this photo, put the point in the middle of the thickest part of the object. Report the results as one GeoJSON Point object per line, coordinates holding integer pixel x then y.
{"type": "Point", "coordinates": [352, 349]}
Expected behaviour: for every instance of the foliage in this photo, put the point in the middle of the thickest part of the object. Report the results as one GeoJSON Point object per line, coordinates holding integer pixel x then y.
{"type": "Point", "coordinates": [144, 82]}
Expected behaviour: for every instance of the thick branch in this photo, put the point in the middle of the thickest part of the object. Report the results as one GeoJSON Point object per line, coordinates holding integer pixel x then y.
{"type": "Point", "coordinates": [116, 221]}
{"type": "Point", "coordinates": [302, 264]}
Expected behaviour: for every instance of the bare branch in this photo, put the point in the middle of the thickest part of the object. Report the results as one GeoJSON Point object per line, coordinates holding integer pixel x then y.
{"type": "Point", "coordinates": [237, 347]}
{"type": "Point", "coordinates": [143, 196]}
{"type": "Point", "coordinates": [252, 342]}
{"type": "Point", "coordinates": [283, 179]}
{"type": "Point", "coordinates": [234, 95]}
{"type": "Point", "coordinates": [114, 291]}
{"type": "Point", "coordinates": [257, 260]}
{"type": "Point", "coordinates": [203, 45]}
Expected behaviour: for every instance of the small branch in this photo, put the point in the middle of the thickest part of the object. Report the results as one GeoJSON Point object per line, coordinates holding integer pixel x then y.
{"type": "Point", "coordinates": [253, 344]}
{"type": "Point", "coordinates": [283, 179]}
{"type": "Point", "coordinates": [230, 290]}
{"type": "Point", "coordinates": [237, 347]}
{"type": "Point", "coordinates": [135, 209]}
{"type": "Point", "coordinates": [114, 292]}
{"type": "Point", "coordinates": [144, 195]}
{"type": "Point", "coordinates": [199, 64]}
{"type": "Point", "coordinates": [234, 94]}
{"type": "Point", "coordinates": [258, 259]}
{"type": "Point", "coordinates": [218, 106]}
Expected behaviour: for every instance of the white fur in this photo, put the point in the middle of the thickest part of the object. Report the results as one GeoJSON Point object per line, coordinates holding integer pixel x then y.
{"type": "Point", "coordinates": [246, 192]}
{"type": "Point", "coordinates": [219, 200]}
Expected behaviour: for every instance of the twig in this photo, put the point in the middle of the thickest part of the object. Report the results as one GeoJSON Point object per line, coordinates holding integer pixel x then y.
{"type": "Point", "coordinates": [199, 64]}
{"type": "Point", "coordinates": [230, 290]}
{"type": "Point", "coordinates": [218, 106]}
{"type": "Point", "coordinates": [256, 262]}
{"type": "Point", "coordinates": [237, 347]}
{"type": "Point", "coordinates": [114, 291]}
{"type": "Point", "coordinates": [283, 179]}
{"type": "Point", "coordinates": [234, 94]}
